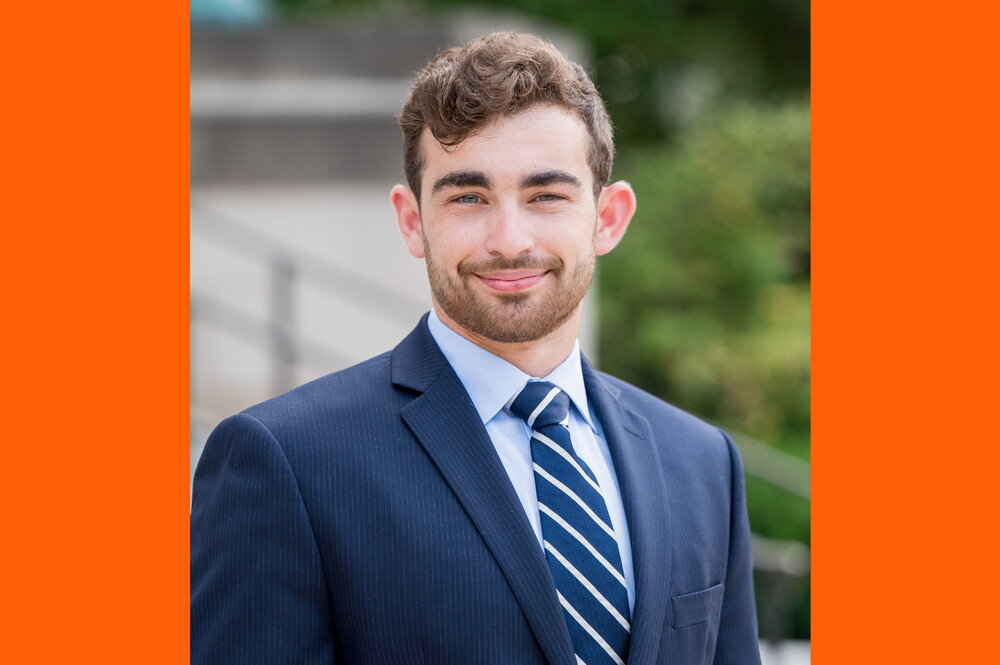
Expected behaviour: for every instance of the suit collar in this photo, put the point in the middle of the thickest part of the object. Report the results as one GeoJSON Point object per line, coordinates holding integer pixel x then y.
{"type": "Point", "coordinates": [489, 379]}
{"type": "Point", "coordinates": [417, 361]}
{"type": "Point", "coordinates": [640, 476]}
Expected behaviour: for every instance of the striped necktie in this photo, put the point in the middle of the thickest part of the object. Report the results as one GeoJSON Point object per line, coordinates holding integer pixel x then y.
{"type": "Point", "coordinates": [577, 534]}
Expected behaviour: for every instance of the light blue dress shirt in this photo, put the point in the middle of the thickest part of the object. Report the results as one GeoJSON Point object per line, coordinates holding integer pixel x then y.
{"type": "Point", "coordinates": [491, 381]}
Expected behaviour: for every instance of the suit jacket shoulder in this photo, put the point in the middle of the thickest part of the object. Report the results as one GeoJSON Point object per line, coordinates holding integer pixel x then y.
{"type": "Point", "coordinates": [360, 387]}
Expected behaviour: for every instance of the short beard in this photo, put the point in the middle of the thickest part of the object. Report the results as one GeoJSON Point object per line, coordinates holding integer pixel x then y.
{"type": "Point", "coordinates": [510, 317]}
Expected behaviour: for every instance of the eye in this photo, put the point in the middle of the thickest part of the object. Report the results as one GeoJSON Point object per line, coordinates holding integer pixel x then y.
{"type": "Point", "coordinates": [468, 199]}
{"type": "Point", "coordinates": [548, 196]}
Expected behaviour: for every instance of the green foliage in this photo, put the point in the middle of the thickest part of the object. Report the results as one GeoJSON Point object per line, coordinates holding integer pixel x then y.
{"type": "Point", "coordinates": [644, 50]}
{"type": "Point", "coordinates": [706, 301]}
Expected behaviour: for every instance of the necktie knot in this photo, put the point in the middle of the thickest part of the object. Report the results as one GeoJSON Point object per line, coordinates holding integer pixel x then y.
{"type": "Point", "coordinates": [540, 403]}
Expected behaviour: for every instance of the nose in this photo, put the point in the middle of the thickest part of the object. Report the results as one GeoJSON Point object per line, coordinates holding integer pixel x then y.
{"type": "Point", "coordinates": [510, 233]}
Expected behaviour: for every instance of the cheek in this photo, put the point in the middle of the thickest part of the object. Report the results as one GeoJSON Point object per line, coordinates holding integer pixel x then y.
{"type": "Point", "coordinates": [569, 241]}
{"type": "Point", "coordinates": [458, 239]}
{"type": "Point", "coordinates": [447, 249]}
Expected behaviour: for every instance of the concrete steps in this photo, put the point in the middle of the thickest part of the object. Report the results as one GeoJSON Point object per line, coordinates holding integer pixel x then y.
{"type": "Point", "coordinates": [306, 103]}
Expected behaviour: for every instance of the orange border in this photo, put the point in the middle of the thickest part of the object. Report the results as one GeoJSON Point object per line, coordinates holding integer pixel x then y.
{"type": "Point", "coordinates": [904, 452]}
{"type": "Point", "coordinates": [95, 281]}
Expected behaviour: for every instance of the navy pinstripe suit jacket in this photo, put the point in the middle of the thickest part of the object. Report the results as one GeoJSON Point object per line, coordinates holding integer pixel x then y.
{"type": "Point", "coordinates": [365, 518]}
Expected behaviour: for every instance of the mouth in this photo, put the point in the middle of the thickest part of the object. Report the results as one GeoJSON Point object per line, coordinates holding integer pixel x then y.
{"type": "Point", "coordinates": [512, 281]}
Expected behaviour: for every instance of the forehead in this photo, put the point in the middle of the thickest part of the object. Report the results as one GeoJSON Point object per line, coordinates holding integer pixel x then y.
{"type": "Point", "coordinates": [507, 149]}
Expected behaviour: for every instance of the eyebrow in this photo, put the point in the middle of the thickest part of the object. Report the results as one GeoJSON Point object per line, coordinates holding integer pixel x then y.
{"type": "Point", "coordinates": [546, 178]}
{"type": "Point", "coordinates": [462, 179]}
{"type": "Point", "coordinates": [480, 179]}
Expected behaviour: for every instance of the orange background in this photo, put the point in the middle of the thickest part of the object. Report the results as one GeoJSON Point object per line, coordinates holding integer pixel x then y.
{"type": "Point", "coordinates": [95, 482]}
{"type": "Point", "coordinates": [905, 236]}
{"type": "Point", "coordinates": [95, 489]}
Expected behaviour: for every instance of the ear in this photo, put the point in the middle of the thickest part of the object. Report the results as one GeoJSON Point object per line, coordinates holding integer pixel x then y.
{"type": "Point", "coordinates": [615, 208]}
{"type": "Point", "coordinates": [408, 218]}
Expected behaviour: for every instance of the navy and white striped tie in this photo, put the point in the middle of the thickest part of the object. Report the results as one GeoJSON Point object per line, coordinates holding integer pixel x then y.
{"type": "Point", "coordinates": [579, 540]}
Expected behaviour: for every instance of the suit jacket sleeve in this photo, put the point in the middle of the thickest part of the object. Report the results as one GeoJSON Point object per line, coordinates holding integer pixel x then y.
{"type": "Point", "coordinates": [737, 643]}
{"type": "Point", "coordinates": [258, 590]}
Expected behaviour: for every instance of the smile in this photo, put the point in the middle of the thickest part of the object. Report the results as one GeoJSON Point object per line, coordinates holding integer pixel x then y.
{"type": "Point", "coordinates": [512, 282]}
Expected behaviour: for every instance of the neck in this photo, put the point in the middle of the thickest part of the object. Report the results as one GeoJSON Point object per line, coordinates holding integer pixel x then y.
{"type": "Point", "coordinates": [537, 358]}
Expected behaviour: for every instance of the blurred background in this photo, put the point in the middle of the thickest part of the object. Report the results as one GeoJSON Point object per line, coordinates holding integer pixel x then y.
{"type": "Point", "coordinates": [705, 303]}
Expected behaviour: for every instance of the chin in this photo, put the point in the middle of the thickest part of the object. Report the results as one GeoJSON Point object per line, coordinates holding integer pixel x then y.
{"type": "Point", "coordinates": [512, 327]}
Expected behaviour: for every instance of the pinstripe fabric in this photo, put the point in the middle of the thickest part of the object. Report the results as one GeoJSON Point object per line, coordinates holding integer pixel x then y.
{"type": "Point", "coordinates": [365, 519]}
{"type": "Point", "coordinates": [579, 541]}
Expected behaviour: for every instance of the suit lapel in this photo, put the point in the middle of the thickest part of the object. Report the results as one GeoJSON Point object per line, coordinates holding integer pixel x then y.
{"type": "Point", "coordinates": [641, 479]}
{"type": "Point", "coordinates": [445, 422]}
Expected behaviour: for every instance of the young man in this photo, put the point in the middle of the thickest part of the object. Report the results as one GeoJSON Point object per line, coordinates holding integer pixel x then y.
{"type": "Point", "coordinates": [480, 494]}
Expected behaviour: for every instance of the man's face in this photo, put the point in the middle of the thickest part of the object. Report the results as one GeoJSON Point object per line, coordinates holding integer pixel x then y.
{"type": "Point", "coordinates": [509, 222]}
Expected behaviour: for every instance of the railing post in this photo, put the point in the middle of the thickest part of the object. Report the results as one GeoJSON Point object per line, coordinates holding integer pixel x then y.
{"type": "Point", "coordinates": [283, 349]}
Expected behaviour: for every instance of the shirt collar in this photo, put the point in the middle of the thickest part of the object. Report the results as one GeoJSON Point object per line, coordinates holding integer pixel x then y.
{"type": "Point", "coordinates": [491, 381]}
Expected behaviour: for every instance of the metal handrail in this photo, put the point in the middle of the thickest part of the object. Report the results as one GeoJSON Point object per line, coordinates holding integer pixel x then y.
{"type": "Point", "coordinates": [236, 236]}
{"type": "Point", "coordinates": [774, 466]}
{"type": "Point", "coordinates": [287, 267]}
{"type": "Point", "coordinates": [253, 330]}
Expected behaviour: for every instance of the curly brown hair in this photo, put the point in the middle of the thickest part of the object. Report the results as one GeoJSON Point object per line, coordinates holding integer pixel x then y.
{"type": "Point", "coordinates": [500, 74]}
